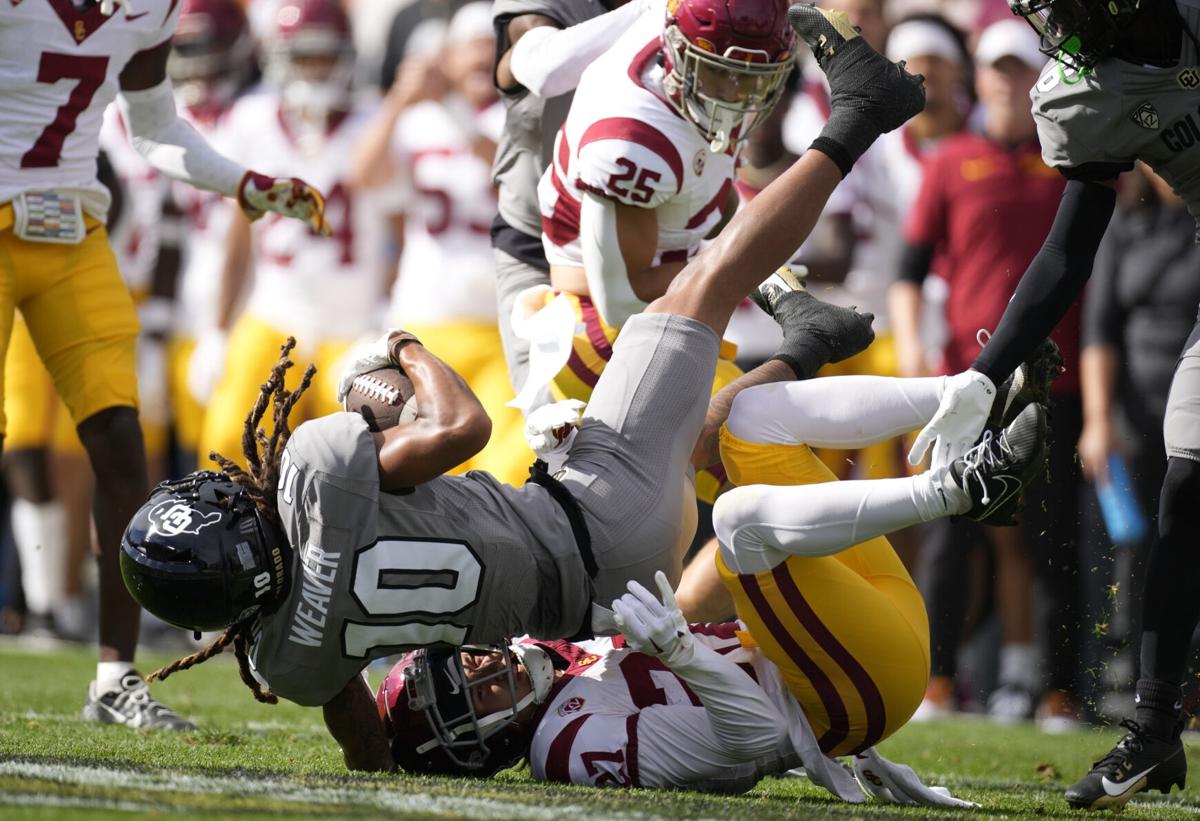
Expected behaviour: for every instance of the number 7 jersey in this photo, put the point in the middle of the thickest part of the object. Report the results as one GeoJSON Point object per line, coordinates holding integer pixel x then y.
{"type": "Point", "coordinates": [59, 70]}
{"type": "Point", "coordinates": [460, 559]}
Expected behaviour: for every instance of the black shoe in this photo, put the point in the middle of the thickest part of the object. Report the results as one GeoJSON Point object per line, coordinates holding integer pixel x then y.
{"type": "Point", "coordinates": [1139, 762]}
{"type": "Point", "coordinates": [814, 332]}
{"type": "Point", "coordinates": [1029, 383]}
{"type": "Point", "coordinates": [133, 706]}
{"type": "Point", "coordinates": [996, 470]}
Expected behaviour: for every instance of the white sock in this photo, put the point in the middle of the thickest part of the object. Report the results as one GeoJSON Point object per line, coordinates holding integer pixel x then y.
{"type": "Point", "coordinates": [1018, 665]}
{"type": "Point", "coordinates": [110, 673]}
{"type": "Point", "coordinates": [40, 534]}
{"type": "Point", "coordinates": [834, 412]}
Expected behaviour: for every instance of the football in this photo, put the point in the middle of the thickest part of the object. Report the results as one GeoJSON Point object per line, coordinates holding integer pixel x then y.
{"type": "Point", "coordinates": [384, 397]}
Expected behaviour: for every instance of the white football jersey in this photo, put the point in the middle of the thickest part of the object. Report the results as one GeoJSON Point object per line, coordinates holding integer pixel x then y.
{"type": "Point", "coordinates": [135, 237]}
{"type": "Point", "coordinates": [59, 69]}
{"type": "Point", "coordinates": [623, 141]}
{"type": "Point", "coordinates": [204, 220]}
{"type": "Point", "coordinates": [447, 269]}
{"type": "Point", "coordinates": [318, 287]}
{"type": "Point", "coordinates": [620, 718]}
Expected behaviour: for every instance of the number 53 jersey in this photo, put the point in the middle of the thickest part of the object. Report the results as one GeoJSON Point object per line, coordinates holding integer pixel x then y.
{"type": "Point", "coordinates": [461, 559]}
{"type": "Point", "coordinates": [59, 70]}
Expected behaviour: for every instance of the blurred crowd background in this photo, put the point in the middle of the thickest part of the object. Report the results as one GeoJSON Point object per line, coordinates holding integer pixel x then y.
{"type": "Point", "coordinates": [394, 116]}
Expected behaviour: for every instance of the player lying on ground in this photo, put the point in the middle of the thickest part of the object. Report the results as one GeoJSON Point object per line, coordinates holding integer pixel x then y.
{"type": "Point", "coordinates": [1092, 126]}
{"type": "Point", "coordinates": [63, 63]}
{"type": "Point", "coordinates": [343, 545]}
{"type": "Point", "coordinates": [664, 705]}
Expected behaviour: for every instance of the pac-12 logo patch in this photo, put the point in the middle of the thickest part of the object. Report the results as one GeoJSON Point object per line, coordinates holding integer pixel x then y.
{"type": "Point", "coordinates": [1146, 116]}
{"type": "Point", "coordinates": [172, 517]}
{"type": "Point", "coordinates": [572, 705]}
{"type": "Point", "coordinates": [1189, 78]}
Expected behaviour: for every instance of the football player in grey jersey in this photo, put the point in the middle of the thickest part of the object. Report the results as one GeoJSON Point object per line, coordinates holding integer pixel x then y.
{"type": "Point", "coordinates": [1124, 86]}
{"type": "Point", "coordinates": [338, 544]}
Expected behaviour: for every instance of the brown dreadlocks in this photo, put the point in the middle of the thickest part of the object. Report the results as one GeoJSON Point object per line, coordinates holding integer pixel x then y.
{"type": "Point", "coordinates": [259, 480]}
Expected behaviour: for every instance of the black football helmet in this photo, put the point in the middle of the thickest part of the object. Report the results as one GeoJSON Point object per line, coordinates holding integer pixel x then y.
{"type": "Point", "coordinates": [201, 556]}
{"type": "Point", "coordinates": [1081, 33]}
{"type": "Point", "coordinates": [432, 726]}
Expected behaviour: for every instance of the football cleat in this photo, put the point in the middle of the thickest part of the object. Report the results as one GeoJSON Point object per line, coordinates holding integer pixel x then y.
{"type": "Point", "coordinates": [132, 705]}
{"type": "Point", "coordinates": [785, 280]}
{"type": "Point", "coordinates": [996, 470]}
{"type": "Point", "coordinates": [1029, 383]}
{"type": "Point", "coordinates": [1010, 704]}
{"type": "Point", "coordinates": [1138, 762]}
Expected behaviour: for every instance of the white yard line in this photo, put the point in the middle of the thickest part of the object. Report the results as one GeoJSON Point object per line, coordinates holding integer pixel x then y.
{"type": "Point", "coordinates": [284, 790]}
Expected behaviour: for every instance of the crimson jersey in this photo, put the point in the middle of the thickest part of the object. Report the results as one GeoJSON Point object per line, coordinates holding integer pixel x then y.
{"type": "Point", "coordinates": [59, 70]}
{"type": "Point", "coordinates": [623, 141]}
{"type": "Point", "coordinates": [619, 718]}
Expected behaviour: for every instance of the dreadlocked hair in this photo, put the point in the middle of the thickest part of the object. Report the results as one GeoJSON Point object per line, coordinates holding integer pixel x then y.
{"type": "Point", "coordinates": [260, 480]}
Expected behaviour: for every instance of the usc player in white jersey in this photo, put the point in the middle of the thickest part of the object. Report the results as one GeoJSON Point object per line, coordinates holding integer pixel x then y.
{"type": "Point", "coordinates": [643, 168]}
{"type": "Point", "coordinates": [212, 63]}
{"type": "Point", "coordinates": [325, 291]}
{"type": "Point", "coordinates": [63, 64]}
{"type": "Point", "coordinates": [435, 158]}
{"type": "Point", "coordinates": [665, 705]}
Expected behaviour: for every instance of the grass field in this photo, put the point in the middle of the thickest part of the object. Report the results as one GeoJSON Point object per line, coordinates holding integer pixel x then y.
{"type": "Point", "coordinates": [251, 760]}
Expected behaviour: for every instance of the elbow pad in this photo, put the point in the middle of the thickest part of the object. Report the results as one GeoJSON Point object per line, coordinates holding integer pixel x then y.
{"type": "Point", "coordinates": [172, 146]}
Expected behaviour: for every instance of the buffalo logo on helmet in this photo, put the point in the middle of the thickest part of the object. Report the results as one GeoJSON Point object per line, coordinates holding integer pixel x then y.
{"type": "Point", "coordinates": [172, 517]}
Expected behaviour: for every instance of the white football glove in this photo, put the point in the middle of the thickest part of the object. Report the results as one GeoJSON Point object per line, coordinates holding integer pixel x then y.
{"type": "Point", "coordinates": [363, 358]}
{"type": "Point", "coordinates": [653, 627]}
{"type": "Point", "coordinates": [109, 7]}
{"type": "Point", "coordinates": [290, 196]}
{"type": "Point", "coordinates": [207, 364]}
{"type": "Point", "coordinates": [894, 783]}
{"type": "Point", "coordinates": [551, 429]}
{"type": "Point", "coordinates": [966, 402]}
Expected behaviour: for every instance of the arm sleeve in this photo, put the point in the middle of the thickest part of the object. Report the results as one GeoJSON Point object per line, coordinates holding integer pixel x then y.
{"type": "Point", "coordinates": [172, 146]}
{"type": "Point", "coordinates": [603, 263]}
{"type": "Point", "coordinates": [1053, 280]}
{"type": "Point", "coordinates": [549, 61]}
{"type": "Point", "coordinates": [915, 260]}
{"type": "Point", "coordinates": [1101, 315]}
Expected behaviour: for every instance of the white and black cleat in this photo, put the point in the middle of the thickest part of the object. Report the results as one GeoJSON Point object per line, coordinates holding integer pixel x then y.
{"type": "Point", "coordinates": [995, 471]}
{"type": "Point", "coordinates": [132, 705]}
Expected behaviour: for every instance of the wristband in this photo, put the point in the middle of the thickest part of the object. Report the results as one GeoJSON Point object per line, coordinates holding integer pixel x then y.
{"type": "Point", "coordinates": [836, 152]}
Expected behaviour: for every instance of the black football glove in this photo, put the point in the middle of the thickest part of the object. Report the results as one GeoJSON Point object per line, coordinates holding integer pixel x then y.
{"type": "Point", "coordinates": [869, 94]}
{"type": "Point", "coordinates": [816, 333]}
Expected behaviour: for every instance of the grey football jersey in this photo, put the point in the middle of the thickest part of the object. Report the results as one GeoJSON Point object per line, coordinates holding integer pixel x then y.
{"type": "Point", "coordinates": [458, 560]}
{"type": "Point", "coordinates": [531, 123]}
{"type": "Point", "coordinates": [1122, 112]}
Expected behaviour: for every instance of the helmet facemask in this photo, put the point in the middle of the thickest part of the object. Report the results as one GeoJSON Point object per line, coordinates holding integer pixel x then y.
{"type": "Point", "coordinates": [1080, 33]}
{"type": "Point", "coordinates": [724, 96]}
{"type": "Point", "coordinates": [309, 90]}
{"type": "Point", "coordinates": [439, 686]}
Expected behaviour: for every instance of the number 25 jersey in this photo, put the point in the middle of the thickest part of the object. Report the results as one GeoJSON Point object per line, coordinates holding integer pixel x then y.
{"type": "Point", "coordinates": [460, 559]}
{"type": "Point", "coordinates": [59, 70]}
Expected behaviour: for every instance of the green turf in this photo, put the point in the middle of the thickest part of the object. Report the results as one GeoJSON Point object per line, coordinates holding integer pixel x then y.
{"type": "Point", "coordinates": [251, 760]}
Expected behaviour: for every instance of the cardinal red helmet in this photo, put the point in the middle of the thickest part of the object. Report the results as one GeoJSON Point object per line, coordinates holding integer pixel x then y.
{"type": "Point", "coordinates": [212, 55]}
{"type": "Point", "coordinates": [726, 63]}
{"type": "Point", "coordinates": [432, 727]}
{"type": "Point", "coordinates": [311, 56]}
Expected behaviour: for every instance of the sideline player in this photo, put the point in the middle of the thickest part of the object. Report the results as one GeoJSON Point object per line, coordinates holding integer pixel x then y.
{"type": "Point", "coordinates": [373, 571]}
{"type": "Point", "coordinates": [1092, 126]}
{"type": "Point", "coordinates": [63, 65]}
{"type": "Point", "coordinates": [665, 705]}
{"type": "Point", "coordinates": [281, 278]}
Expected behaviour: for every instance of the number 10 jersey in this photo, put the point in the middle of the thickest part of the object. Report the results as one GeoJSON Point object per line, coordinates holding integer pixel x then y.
{"type": "Point", "coordinates": [460, 559]}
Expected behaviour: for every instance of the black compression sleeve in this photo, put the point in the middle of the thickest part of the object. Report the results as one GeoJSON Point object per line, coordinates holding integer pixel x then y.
{"type": "Point", "coordinates": [1053, 280]}
{"type": "Point", "coordinates": [914, 263]}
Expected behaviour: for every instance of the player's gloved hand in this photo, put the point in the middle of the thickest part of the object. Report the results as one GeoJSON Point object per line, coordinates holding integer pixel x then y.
{"type": "Point", "coordinates": [868, 94]}
{"type": "Point", "coordinates": [654, 627]}
{"type": "Point", "coordinates": [109, 7]}
{"type": "Point", "coordinates": [207, 364]}
{"type": "Point", "coordinates": [966, 402]}
{"type": "Point", "coordinates": [894, 783]}
{"type": "Point", "coordinates": [290, 196]}
{"type": "Point", "coordinates": [551, 429]}
{"type": "Point", "coordinates": [369, 356]}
